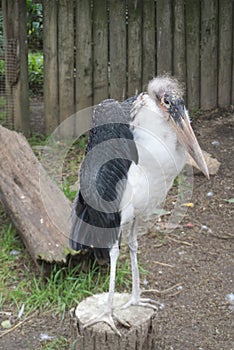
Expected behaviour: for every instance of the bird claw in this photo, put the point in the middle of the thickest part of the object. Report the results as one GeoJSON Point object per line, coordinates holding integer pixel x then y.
{"type": "Point", "coordinates": [106, 317]}
{"type": "Point", "coordinates": [144, 302]}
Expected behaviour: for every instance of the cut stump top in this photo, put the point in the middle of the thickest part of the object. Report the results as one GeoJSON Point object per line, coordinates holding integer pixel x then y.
{"type": "Point", "coordinates": [139, 336]}
{"type": "Point", "coordinates": [94, 305]}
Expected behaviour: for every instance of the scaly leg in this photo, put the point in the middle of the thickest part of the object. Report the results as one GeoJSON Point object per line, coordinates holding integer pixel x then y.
{"type": "Point", "coordinates": [106, 315]}
{"type": "Point", "coordinates": [136, 298]}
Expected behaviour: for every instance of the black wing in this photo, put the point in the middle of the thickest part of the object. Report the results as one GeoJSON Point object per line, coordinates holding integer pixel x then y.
{"type": "Point", "coordinates": [110, 151]}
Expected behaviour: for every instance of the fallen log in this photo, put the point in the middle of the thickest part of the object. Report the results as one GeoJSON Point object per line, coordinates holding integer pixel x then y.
{"type": "Point", "coordinates": [38, 208]}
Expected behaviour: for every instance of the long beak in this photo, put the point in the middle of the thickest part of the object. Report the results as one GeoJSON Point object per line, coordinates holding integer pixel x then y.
{"type": "Point", "coordinates": [181, 124]}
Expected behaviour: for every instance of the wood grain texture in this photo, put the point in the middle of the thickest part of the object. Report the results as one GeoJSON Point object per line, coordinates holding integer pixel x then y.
{"type": "Point", "coordinates": [140, 336]}
{"type": "Point", "coordinates": [100, 51]}
{"type": "Point", "coordinates": [29, 196]}
{"type": "Point", "coordinates": [148, 43]}
{"type": "Point", "coordinates": [164, 36]}
{"type": "Point", "coordinates": [192, 23]}
{"type": "Point", "coordinates": [179, 66]}
{"type": "Point", "coordinates": [118, 49]}
{"type": "Point", "coordinates": [65, 60]}
{"type": "Point", "coordinates": [84, 59]}
{"type": "Point", "coordinates": [134, 47]}
{"type": "Point", "coordinates": [209, 51]}
{"type": "Point", "coordinates": [51, 83]}
{"type": "Point", "coordinates": [16, 56]}
{"type": "Point", "coordinates": [225, 53]}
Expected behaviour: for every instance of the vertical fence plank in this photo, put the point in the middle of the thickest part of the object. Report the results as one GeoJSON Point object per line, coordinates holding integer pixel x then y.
{"type": "Point", "coordinates": [16, 64]}
{"type": "Point", "coordinates": [84, 93]}
{"type": "Point", "coordinates": [225, 53]}
{"type": "Point", "coordinates": [134, 47]}
{"type": "Point", "coordinates": [209, 40]}
{"type": "Point", "coordinates": [164, 36]}
{"type": "Point", "coordinates": [100, 51]}
{"type": "Point", "coordinates": [117, 46]}
{"type": "Point", "coordinates": [22, 120]}
{"type": "Point", "coordinates": [148, 42]}
{"type": "Point", "coordinates": [179, 65]}
{"type": "Point", "coordinates": [51, 85]}
{"type": "Point", "coordinates": [192, 23]}
{"type": "Point", "coordinates": [65, 59]}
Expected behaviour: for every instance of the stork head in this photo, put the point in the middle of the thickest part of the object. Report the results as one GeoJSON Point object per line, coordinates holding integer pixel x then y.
{"type": "Point", "coordinates": [167, 93]}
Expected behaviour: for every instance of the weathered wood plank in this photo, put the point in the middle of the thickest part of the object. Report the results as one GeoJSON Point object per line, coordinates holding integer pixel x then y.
{"type": "Point", "coordinates": [100, 51]}
{"type": "Point", "coordinates": [51, 83]}
{"type": "Point", "coordinates": [179, 65]}
{"type": "Point", "coordinates": [117, 45]}
{"type": "Point", "coordinates": [84, 87]}
{"type": "Point", "coordinates": [148, 42]}
{"type": "Point", "coordinates": [209, 49]}
{"type": "Point", "coordinates": [134, 47]}
{"type": "Point", "coordinates": [65, 60]}
{"type": "Point", "coordinates": [164, 36]}
{"type": "Point", "coordinates": [16, 64]}
{"type": "Point", "coordinates": [225, 53]}
{"type": "Point", "coordinates": [192, 23]}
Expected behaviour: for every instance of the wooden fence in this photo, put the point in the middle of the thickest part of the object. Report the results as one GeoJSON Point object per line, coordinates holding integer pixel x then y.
{"type": "Point", "coordinates": [95, 49]}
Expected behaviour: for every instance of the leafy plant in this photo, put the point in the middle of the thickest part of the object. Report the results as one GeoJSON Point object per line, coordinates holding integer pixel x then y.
{"type": "Point", "coordinates": [35, 72]}
{"type": "Point", "coordinates": [230, 200]}
{"type": "Point", "coordinates": [34, 25]}
{"type": "Point", "coordinates": [2, 67]}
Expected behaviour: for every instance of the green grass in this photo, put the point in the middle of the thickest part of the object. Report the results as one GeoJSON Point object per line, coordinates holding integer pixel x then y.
{"type": "Point", "coordinates": [60, 343]}
{"type": "Point", "coordinates": [21, 284]}
{"type": "Point", "coordinates": [67, 190]}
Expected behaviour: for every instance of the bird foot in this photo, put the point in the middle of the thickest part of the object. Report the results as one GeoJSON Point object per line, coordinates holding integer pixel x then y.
{"type": "Point", "coordinates": [107, 317]}
{"type": "Point", "coordinates": [144, 302]}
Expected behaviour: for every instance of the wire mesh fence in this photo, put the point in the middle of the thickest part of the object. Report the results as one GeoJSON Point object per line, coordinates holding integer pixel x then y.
{"type": "Point", "coordinates": [8, 78]}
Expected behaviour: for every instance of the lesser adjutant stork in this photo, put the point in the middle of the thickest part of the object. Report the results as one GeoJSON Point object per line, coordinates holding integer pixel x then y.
{"type": "Point", "coordinates": [135, 151]}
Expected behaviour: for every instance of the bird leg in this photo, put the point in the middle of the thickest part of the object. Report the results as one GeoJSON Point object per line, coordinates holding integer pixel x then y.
{"type": "Point", "coordinates": [136, 298]}
{"type": "Point", "coordinates": [107, 315]}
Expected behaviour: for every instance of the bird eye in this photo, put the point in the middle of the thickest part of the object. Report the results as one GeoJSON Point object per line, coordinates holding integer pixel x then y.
{"type": "Point", "coordinates": [165, 102]}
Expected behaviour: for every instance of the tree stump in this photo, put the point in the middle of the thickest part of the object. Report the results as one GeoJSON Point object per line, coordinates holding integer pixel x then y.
{"type": "Point", "coordinates": [140, 336]}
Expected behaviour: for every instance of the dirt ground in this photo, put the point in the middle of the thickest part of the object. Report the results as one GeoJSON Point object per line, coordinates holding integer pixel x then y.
{"type": "Point", "coordinates": [193, 267]}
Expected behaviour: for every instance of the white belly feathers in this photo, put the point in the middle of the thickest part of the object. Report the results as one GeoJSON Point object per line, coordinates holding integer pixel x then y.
{"type": "Point", "coordinates": [161, 159]}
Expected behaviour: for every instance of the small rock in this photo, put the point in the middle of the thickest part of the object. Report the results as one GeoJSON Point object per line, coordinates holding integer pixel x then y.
{"type": "Point", "coordinates": [230, 298]}
{"type": "Point", "coordinates": [210, 194]}
{"type": "Point", "coordinates": [215, 143]}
